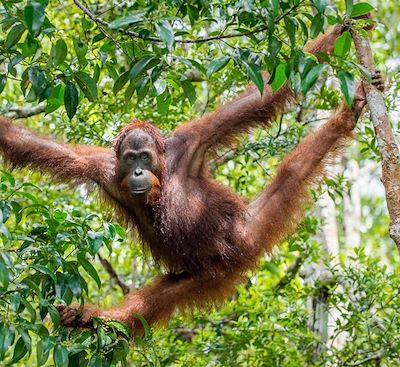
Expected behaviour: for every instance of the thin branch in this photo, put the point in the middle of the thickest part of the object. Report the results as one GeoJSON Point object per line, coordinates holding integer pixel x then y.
{"type": "Point", "coordinates": [113, 274]}
{"type": "Point", "coordinates": [280, 127]}
{"type": "Point", "coordinates": [16, 112]}
{"type": "Point", "coordinates": [102, 23]}
{"type": "Point", "coordinates": [388, 149]}
{"type": "Point", "coordinates": [374, 357]}
{"type": "Point", "coordinates": [290, 273]}
{"type": "Point", "coordinates": [223, 158]}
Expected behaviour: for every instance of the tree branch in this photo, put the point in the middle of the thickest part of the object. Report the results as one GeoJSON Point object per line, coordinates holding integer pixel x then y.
{"type": "Point", "coordinates": [290, 273]}
{"type": "Point", "coordinates": [387, 146]}
{"type": "Point", "coordinates": [373, 357]}
{"type": "Point", "coordinates": [102, 23]}
{"type": "Point", "coordinates": [113, 274]}
{"type": "Point", "coordinates": [16, 112]}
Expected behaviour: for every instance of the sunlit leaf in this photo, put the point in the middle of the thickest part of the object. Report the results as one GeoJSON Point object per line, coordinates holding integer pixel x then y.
{"type": "Point", "coordinates": [60, 356]}
{"type": "Point", "coordinates": [14, 35]}
{"type": "Point", "coordinates": [142, 65]}
{"type": "Point", "coordinates": [71, 99]}
{"type": "Point", "coordinates": [347, 86]}
{"type": "Point", "coordinates": [360, 9]}
{"type": "Point", "coordinates": [255, 75]}
{"type": "Point", "coordinates": [134, 18]}
{"type": "Point", "coordinates": [279, 77]}
{"type": "Point", "coordinates": [34, 16]}
{"type": "Point", "coordinates": [217, 65]}
{"type": "Point", "coordinates": [343, 44]}
{"type": "Point", "coordinates": [166, 33]}
{"type": "Point", "coordinates": [58, 52]}
{"type": "Point", "coordinates": [86, 84]}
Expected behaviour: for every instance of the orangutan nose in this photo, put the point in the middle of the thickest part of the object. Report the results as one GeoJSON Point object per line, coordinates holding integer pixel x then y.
{"type": "Point", "coordinates": [138, 172]}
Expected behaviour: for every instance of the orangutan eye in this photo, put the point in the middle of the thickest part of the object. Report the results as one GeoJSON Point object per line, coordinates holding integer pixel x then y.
{"type": "Point", "coordinates": [144, 156]}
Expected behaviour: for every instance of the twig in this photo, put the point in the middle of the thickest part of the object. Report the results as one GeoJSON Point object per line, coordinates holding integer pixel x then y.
{"type": "Point", "coordinates": [280, 127]}
{"type": "Point", "coordinates": [224, 158]}
{"type": "Point", "coordinates": [387, 146]}
{"type": "Point", "coordinates": [113, 274]}
{"type": "Point", "coordinates": [290, 273]}
{"type": "Point", "coordinates": [16, 112]}
{"type": "Point", "coordinates": [103, 23]}
{"type": "Point", "coordinates": [374, 357]}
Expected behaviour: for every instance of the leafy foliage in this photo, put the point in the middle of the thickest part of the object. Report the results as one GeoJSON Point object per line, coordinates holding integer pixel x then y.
{"type": "Point", "coordinates": [251, 34]}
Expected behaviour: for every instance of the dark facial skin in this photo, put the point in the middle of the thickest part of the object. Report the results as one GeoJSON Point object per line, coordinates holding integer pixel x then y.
{"type": "Point", "coordinates": [139, 162]}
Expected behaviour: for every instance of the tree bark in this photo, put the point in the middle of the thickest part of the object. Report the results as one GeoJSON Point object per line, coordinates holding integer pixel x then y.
{"type": "Point", "coordinates": [387, 146]}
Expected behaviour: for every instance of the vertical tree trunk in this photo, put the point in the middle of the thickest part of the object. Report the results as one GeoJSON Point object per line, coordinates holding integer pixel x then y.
{"type": "Point", "coordinates": [352, 207]}
{"type": "Point", "coordinates": [388, 148]}
{"type": "Point", "coordinates": [319, 276]}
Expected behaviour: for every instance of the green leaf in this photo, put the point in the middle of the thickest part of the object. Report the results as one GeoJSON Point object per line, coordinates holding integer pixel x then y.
{"type": "Point", "coordinates": [60, 356]}
{"type": "Point", "coordinates": [146, 327]}
{"type": "Point", "coordinates": [120, 82]}
{"type": "Point", "coordinates": [160, 85]}
{"type": "Point", "coordinates": [86, 84]}
{"type": "Point", "coordinates": [343, 44]}
{"type": "Point", "coordinates": [163, 102]}
{"type": "Point", "coordinates": [311, 78]}
{"type": "Point", "coordinates": [34, 17]}
{"type": "Point", "coordinates": [96, 361]}
{"type": "Point", "coordinates": [347, 86]}
{"type": "Point", "coordinates": [255, 75]}
{"type": "Point", "coordinates": [20, 350]}
{"type": "Point", "coordinates": [95, 240]}
{"type": "Point", "coordinates": [29, 47]}
{"type": "Point", "coordinates": [54, 315]}
{"type": "Point", "coordinates": [56, 99]}
{"type": "Point", "coordinates": [134, 18]}
{"type": "Point", "coordinates": [38, 79]}
{"type": "Point", "coordinates": [129, 91]}
{"type": "Point", "coordinates": [166, 33]}
{"type": "Point", "coordinates": [272, 268]}
{"type": "Point", "coordinates": [217, 65]}
{"type": "Point", "coordinates": [80, 49]}
{"type": "Point", "coordinates": [320, 5]}
{"type": "Point", "coordinates": [120, 327]}
{"type": "Point", "coordinates": [360, 9]}
{"type": "Point", "coordinates": [44, 270]}
{"type": "Point", "coordinates": [274, 46]}
{"type": "Point", "coordinates": [3, 81]}
{"type": "Point", "coordinates": [275, 7]}
{"type": "Point", "coordinates": [365, 72]}
{"type": "Point", "coordinates": [30, 309]}
{"type": "Point", "coordinates": [290, 27]}
{"type": "Point", "coordinates": [89, 268]}
{"type": "Point", "coordinates": [279, 77]}
{"type": "Point", "coordinates": [4, 276]}
{"type": "Point", "coordinates": [142, 87]}
{"type": "Point", "coordinates": [58, 52]}
{"type": "Point", "coordinates": [7, 335]}
{"type": "Point", "coordinates": [120, 351]}
{"type": "Point", "coordinates": [142, 65]}
{"type": "Point", "coordinates": [349, 6]}
{"type": "Point", "coordinates": [14, 35]}
{"type": "Point", "coordinates": [317, 25]}
{"type": "Point", "coordinates": [190, 92]}
{"type": "Point", "coordinates": [71, 99]}
{"type": "Point", "coordinates": [42, 355]}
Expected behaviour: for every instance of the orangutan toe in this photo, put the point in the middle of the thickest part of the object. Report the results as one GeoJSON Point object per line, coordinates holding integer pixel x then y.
{"type": "Point", "coordinates": [70, 316]}
{"type": "Point", "coordinates": [378, 80]}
